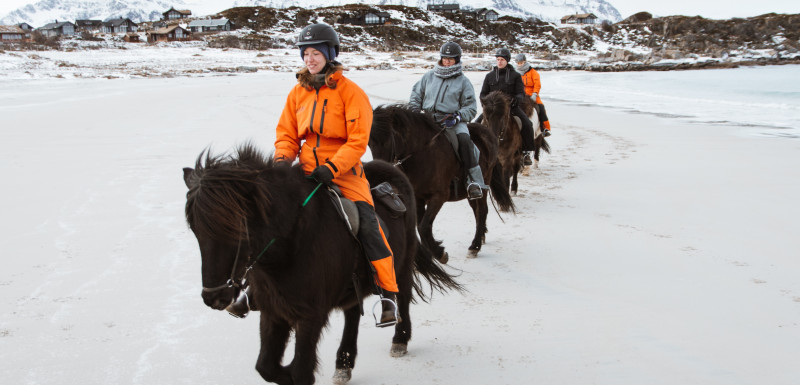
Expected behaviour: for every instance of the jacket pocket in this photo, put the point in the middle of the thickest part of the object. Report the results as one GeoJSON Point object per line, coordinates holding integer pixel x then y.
{"type": "Point", "coordinates": [351, 119]}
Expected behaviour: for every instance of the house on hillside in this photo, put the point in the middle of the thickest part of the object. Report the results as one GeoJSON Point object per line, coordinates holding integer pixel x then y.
{"type": "Point", "coordinates": [210, 25]}
{"type": "Point", "coordinates": [486, 14]}
{"type": "Point", "coordinates": [579, 18]}
{"type": "Point", "coordinates": [26, 27]}
{"type": "Point", "coordinates": [88, 25]}
{"type": "Point", "coordinates": [173, 33]}
{"type": "Point", "coordinates": [443, 8]}
{"type": "Point", "coordinates": [131, 37]}
{"type": "Point", "coordinates": [119, 25]}
{"type": "Point", "coordinates": [175, 14]}
{"type": "Point", "coordinates": [13, 33]}
{"type": "Point", "coordinates": [63, 28]}
{"type": "Point", "coordinates": [367, 18]}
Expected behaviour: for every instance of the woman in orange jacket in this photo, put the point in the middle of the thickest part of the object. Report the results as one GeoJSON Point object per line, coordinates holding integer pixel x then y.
{"type": "Point", "coordinates": [533, 84]}
{"type": "Point", "coordinates": [325, 124]}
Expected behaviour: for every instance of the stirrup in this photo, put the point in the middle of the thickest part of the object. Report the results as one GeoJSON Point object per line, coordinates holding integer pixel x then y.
{"type": "Point", "coordinates": [473, 186]}
{"type": "Point", "coordinates": [380, 324]}
{"type": "Point", "coordinates": [240, 308]}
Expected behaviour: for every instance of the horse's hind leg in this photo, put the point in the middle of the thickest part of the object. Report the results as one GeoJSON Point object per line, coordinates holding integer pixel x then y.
{"type": "Point", "coordinates": [274, 336]}
{"type": "Point", "coordinates": [348, 348]}
{"type": "Point", "coordinates": [402, 330]}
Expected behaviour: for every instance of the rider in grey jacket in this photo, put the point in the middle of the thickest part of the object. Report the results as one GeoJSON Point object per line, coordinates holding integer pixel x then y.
{"type": "Point", "coordinates": [448, 95]}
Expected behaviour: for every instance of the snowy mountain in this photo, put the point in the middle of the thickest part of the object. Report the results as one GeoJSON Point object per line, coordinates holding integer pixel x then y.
{"type": "Point", "coordinates": [46, 11]}
{"type": "Point", "coordinates": [547, 10]}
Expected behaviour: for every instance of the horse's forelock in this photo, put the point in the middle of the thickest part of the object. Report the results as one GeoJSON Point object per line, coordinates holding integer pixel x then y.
{"type": "Point", "coordinates": [226, 187]}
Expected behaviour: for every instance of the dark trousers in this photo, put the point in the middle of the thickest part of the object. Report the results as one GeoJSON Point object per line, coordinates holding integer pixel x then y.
{"type": "Point", "coordinates": [465, 152]}
{"type": "Point", "coordinates": [527, 129]}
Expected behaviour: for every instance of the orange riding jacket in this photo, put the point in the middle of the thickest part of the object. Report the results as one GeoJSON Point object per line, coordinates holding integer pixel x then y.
{"type": "Point", "coordinates": [335, 124]}
{"type": "Point", "coordinates": [533, 83]}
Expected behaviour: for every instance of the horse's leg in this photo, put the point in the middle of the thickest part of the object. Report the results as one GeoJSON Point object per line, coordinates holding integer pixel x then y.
{"type": "Point", "coordinates": [304, 364]}
{"type": "Point", "coordinates": [425, 227]}
{"type": "Point", "coordinates": [480, 227]}
{"type": "Point", "coordinates": [402, 330]}
{"type": "Point", "coordinates": [274, 336]}
{"type": "Point", "coordinates": [514, 184]}
{"type": "Point", "coordinates": [537, 144]}
{"type": "Point", "coordinates": [348, 348]}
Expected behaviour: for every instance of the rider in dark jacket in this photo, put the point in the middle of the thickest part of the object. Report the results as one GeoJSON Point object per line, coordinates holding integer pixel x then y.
{"type": "Point", "coordinates": [506, 79]}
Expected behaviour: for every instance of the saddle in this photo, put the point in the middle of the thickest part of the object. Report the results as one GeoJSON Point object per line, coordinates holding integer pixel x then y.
{"type": "Point", "coordinates": [383, 193]}
{"type": "Point", "coordinates": [537, 129]}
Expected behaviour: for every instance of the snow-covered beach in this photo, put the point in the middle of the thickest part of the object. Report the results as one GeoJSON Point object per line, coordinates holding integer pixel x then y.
{"type": "Point", "coordinates": [645, 249]}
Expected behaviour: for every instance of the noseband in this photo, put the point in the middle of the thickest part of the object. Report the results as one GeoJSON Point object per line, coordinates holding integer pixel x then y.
{"type": "Point", "coordinates": [240, 283]}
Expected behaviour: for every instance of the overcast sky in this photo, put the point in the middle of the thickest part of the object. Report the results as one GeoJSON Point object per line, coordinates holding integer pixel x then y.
{"type": "Point", "coordinates": [713, 9]}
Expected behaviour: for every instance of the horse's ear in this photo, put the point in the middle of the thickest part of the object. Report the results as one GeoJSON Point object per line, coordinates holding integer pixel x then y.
{"type": "Point", "coordinates": [189, 177]}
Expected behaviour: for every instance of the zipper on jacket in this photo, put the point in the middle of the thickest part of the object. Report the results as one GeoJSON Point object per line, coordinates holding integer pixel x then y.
{"type": "Point", "coordinates": [444, 93]}
{"type": "Point", "coordinates": [322, 119]}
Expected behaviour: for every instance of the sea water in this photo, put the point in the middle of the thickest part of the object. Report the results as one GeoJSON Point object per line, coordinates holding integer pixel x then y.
{"type": "Point", "coordinates": [765, 97]}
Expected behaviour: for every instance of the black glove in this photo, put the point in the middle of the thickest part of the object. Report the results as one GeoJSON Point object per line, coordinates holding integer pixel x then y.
{"type": "Point", "coordinates": [514, 102]}
{"type": "Point", "coordinates": [322, 174]}
{"type": "Point", "coordinates": [451, 120]}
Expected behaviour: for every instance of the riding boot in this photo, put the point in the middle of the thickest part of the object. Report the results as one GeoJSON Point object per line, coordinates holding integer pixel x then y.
{"type": "Point", "coordinates": [475, 185]}
{"type": "Point", "coordinates": [242, 306]}
{"type": "Point", "coordinates": [389, 315]}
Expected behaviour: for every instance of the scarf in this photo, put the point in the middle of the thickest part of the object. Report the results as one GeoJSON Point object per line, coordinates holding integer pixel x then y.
{"type": "Point", "coordinates": [525, 67]}
{"type": "Point", "coordinates": [447, 72]}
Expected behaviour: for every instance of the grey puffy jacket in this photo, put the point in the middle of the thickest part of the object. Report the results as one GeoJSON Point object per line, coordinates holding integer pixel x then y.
{"type": "Point", "coordinates": [444, 96]}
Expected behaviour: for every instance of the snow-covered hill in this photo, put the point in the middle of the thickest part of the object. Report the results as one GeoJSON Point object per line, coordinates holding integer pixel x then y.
{"type": "Point", "coordinates": [46, 11]}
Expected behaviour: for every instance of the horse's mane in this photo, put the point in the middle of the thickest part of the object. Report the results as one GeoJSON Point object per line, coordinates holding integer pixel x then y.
{"type": "Point", "coordinates": [399, 117]}
{"type": "Point", "coordinates": [496, 99]}
{"type": "Point", "coordinates": [222, 189]}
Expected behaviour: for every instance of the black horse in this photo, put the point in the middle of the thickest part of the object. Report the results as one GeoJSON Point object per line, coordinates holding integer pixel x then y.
{"type": "Point", "coordinates": [282, 232]}
{"type": "Point", "coordinates": [417, 145]}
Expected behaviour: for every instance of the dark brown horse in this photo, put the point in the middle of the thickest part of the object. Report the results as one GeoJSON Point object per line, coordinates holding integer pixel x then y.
{"type": "Point", "coordinates": [418, 146]}
{"type": "Point", "coordinates": [497, 116]}
{"type": "Point", "coordinates": [279, 230]}
{"type": "Point", "coordinates": [496, 107]}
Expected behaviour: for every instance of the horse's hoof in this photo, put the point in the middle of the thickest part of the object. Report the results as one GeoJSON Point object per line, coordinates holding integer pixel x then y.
{"type": "Point", "coordinates": [444, 258]}
{"type": "Point", "coordinates": [398, 350]}
{"type": "Point", "coordinates": [472, 254]}
{"type": "Point", "coordinates": [342, 376]}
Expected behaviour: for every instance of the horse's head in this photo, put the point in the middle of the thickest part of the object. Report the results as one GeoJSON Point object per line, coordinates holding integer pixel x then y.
{"type": "Point", "coordinates": [224, 205]}
{"type": "Point", "coordinates": [496, 110]}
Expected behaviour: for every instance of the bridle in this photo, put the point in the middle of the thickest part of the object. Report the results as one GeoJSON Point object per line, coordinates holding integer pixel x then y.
{"type": "Point", "coordinates": [393, 153]}
{"type": "Point", "coordinates": [241, 282]}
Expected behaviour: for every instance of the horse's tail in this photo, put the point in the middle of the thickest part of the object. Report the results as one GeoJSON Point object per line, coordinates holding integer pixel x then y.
{"type": "Point", "coordinates": [500, 192]}
{"type": "Point", "coordinates": [434, 274]}
{"type": "Point", "coordinates": [545, 146]}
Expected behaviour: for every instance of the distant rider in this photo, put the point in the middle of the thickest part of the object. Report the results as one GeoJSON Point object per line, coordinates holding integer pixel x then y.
{"type": "Point", "coordinates": [533, 83]}
{"type": "Point", "coordinates": [503, 77]}
{"type": "Point", "coordinates": [447, 94]}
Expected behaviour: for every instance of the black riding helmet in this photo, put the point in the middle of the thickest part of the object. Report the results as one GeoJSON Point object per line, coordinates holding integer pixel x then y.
{"type": "Point", "coordinates": [318, 33]}
{"type": "Point", "coordinates": [503, 53]}
{"type": "Point", "coordinates": [452, 50]}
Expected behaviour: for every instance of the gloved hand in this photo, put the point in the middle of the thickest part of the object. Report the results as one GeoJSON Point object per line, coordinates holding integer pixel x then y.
{"type": "Point", "coordinates": [514, 102]}
{"type": "Point", "coordinates": [451, 120]}
{"type": "Point", "coordinates": [534, 96]}
{"type": "Point", "coordinates": [322, 174]}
